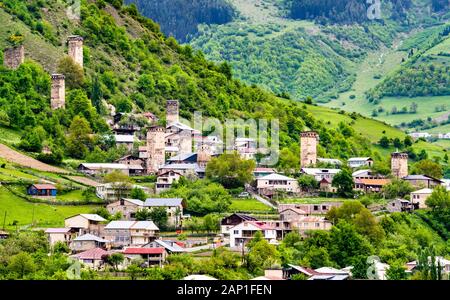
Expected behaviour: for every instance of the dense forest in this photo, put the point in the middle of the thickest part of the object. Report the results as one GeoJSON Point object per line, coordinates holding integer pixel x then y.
{"type": "Point", "coordinates": [355, 11]}
{"type": "Point", "coordinates": [180, 18]}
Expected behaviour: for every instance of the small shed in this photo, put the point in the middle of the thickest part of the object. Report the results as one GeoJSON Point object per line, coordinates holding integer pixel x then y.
{"type": "Point", "coordinates": [42, 190]}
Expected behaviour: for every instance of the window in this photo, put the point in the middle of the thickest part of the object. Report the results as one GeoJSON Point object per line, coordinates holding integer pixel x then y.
{"type": "Point", "coordinates": [236, 231]}
{"type": "Point", "coordinates": [317, 225]}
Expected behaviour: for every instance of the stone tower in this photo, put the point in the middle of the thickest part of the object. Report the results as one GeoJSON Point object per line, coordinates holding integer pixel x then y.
{"type": "Point", "coordinates": [58, 93]}
{"type": "Point", "coordinates": [75, 44]}
{"type": "Point", "coordinates": [308, 148]}
{"type": "Point", "coordinates": [203, 155]}
{"type": "Point", "coordinates": [172, 111]}
{"type": "Point", "coordinates": [156, 149]}
{"type": "Point", "coordinates": [399, 164]}
{"type": "Point", "coordinates": [14, 57]}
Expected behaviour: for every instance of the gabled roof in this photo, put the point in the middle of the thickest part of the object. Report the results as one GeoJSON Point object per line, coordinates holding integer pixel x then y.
{"type": "Point", "coordinates": [146, 225]}
{"type": "Point", "coordinates": [44, 186]}
{"type": "Point", "coordinates": [90, 217]}
{"type": "Point", "coordinates": [144, 251]}
{"type": "Point", "coordinates": [166, 202]}
{"type": "Point", "coordinates": [352, 159]}
{"type": "Point", "coordinates": [182, 157]}
{"type": "Point", "coordinates": [171, 247]}
{"type": "Point", "coordinates": [123, 138]}
{"type": "Point", "coordinates": [360, 172]}
{"type": "Point", "coordinates": [423, 191]}
{"type": "Point", "coordinates": [315, 171]}
{"type": "Point", "coordinates": [95, 253]}
{"type": "Point", "coordinates": [329, 160]}
{"type": "Point", "coordinates": [243, 217]}
{"type": "Point", "coordinates": [134, 201]}
{"type": "Point", "coordinates": [199, 277]}
{"type": "Point", "coordinates": [275, 176]}
{"type": "Point", "coordinates": [364, 181]}
{"type": "Point", "coordinates": [304, 270]}
{"type": "Point", "coordinates": [57, 230]}
{"type": "Point", "coordinates": [420, 177]}
{"type": "Point", "coordinates": [90, 237]}
{"type": "Point", "coordinates": [263, 170]}
{"type": "Point", "coordinates": [296, 210]}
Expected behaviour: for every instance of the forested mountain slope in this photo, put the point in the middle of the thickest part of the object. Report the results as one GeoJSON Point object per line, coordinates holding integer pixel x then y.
{"type": "Point", "coordinates": [131, 65]}
{"type": "Point", "coordinates": [180, 18]}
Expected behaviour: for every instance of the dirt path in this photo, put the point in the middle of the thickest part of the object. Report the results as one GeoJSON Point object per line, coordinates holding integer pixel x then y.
{"type": "Point", "coordinates": [84, 180]}
{"type": "Point", "coordinates": [26, 161]}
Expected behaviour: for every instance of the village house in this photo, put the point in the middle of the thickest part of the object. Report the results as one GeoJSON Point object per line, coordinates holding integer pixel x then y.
{"type": "Point", "coordinates": [131, 160]}
{"type": "Point", "coordinates": [126, 207]}
{"type": "Point", "coordinates": [165, 180]}
{"type": "Point", "coordinates": [105, 168]}
{"type": "Point", "coordinates": [309, 208]}
{"type": "Point", "coordinates": [417, 135]}
{"type": "Point", "coordinates": [187, 170]}
{"type": "Point", "coordinates": [357, 162]}
{"type": "Point", "coordinates": [277, 182]}
{"type": "Point", "coordinates": [151, 256]}
{"type": "Point", "coordinates": [320, 174]}
{"type": "Point", "coordinates": [420, 196]}
{"type": "Point", "coordinates": [325, 273]}
{"type": "Point", "coordinates": [371, 185]}
{"type": "Point", "coordinates": [326, 186]}
{"type": "Point", "coordinates": [272, 231]}
{"type": "Point", "coordinates": [173, 207]}
{"type": "Point", "coordinates": [55, 235]}
{"type": "Point", "coordinates": [184, 158]}
{"type": "Point", "coordinates": [86, 242]}
{"type": "Point", "coordinates": [233, 220]}
{"type": "Point", "coordinates": [42, 190]}
{"type": "Point", "coordinates": [366, 174]}
{"type": "Point", "coordinates": [261, 172]}
{"type": "Point", "coordinates": [400, 205]}
{"type": "Point", "coordinates": [130, 233]}
{"type": "Point", "coordinates": [170, 246]}
{"type": "Point", "coordinates": [125, 140]}
{"type": "Point", "coordinates": [422, 181]}
{"type": "Point", "coordinates": [3, 235]}
{"type": "Point", "coordinates": [292, 213]}
{"type": "Point", "coordinates": [444, 136]}
{"type": "Point", "coordinates": [114, 191]}
{"type": "Point", "coordinates": [246, 147]}
{"type": "Point", "coordinates": [85, 223]}
{"type": "Point", "coordinates": [307, 223]}
{"type": "Point", "coordinates": [92, 258]}
{"type": "Point", "coordinates": [330, 162]}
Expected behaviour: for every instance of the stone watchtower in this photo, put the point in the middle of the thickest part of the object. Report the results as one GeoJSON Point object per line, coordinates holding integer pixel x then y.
{"type": "Point", "coordinates": [156, 149]}
{"type": "Point", "coordinates": [75, 44]}
{"type": "Point", "coordinates": [308, 148]}
{"type": "Point", "coordinates": [399, 164]}
{"type": "Point", "coordinates": [172, 111]}
{"type": "Point", "coordinates": [14, 57]}
{"type": "Point", "coordinates": [203, 155]}
{"type": "Point", "coordinates": [58, 93]}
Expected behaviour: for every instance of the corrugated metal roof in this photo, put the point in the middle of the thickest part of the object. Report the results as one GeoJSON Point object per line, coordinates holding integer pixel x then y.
{"type": "Point", "coordinates": [168, 202]}
{"type": "Point", "coordinates": [144, 251]}
{"type": "Point", "coordinates": [57, 230]}
{"type": "Point", "coordinates": [90, 237]}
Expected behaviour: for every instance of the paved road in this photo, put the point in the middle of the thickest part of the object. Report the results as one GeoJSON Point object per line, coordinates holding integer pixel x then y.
{"type": "Point", "coordinates": [260, 199]}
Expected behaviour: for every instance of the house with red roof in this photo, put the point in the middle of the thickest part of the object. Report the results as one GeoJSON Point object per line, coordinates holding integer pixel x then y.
{"type": "Point", "coordinates": [151, 256]}
{"type": "Point", "coordinates": [42, 190]}
{"type": "Point", "coordinates": [92, 258]}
